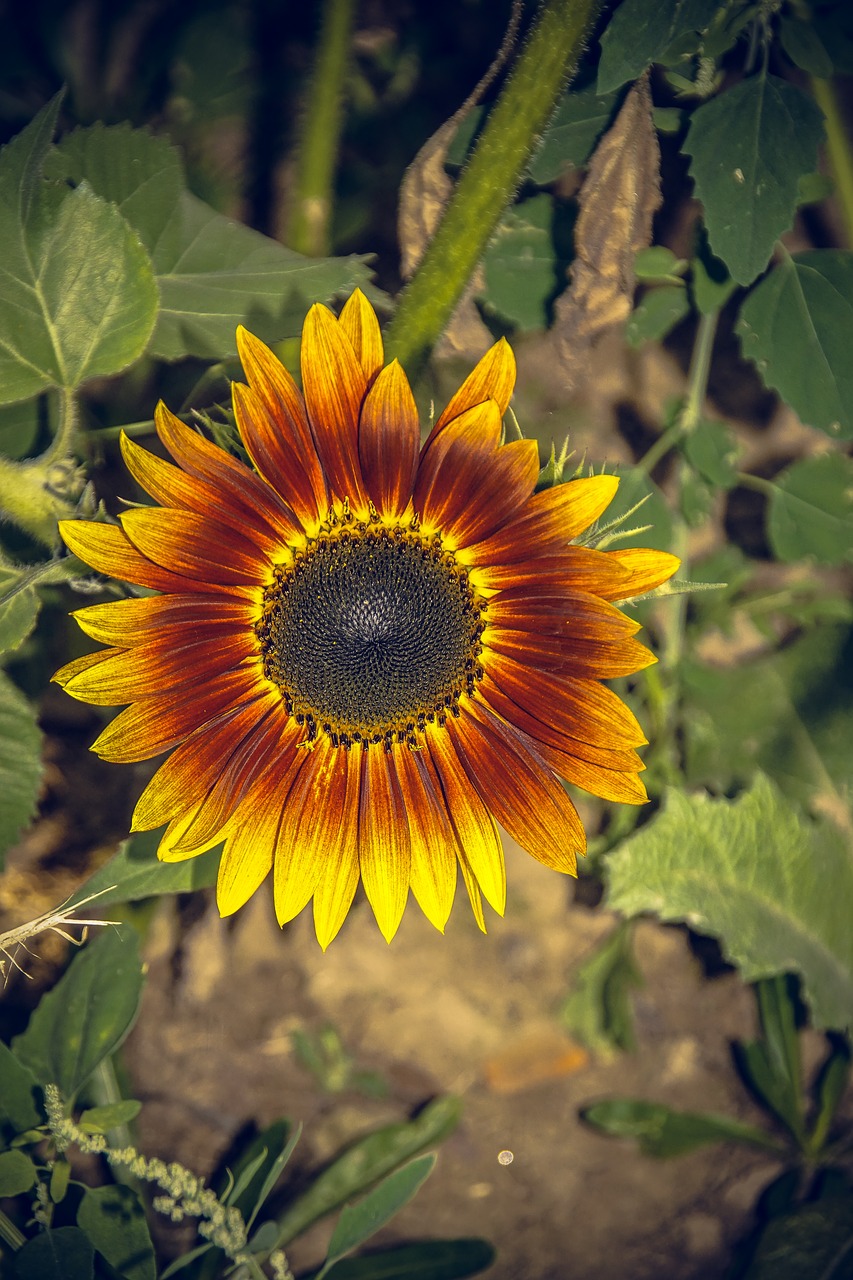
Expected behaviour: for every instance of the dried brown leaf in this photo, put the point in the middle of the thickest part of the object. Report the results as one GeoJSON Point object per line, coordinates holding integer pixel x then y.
{"type": "Point", "coordinates": [617, 202]}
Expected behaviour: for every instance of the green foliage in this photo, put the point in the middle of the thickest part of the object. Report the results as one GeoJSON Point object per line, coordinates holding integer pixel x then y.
{"type": "Point", "coordinates": [135, 872]}
{"type": "Point", "coordinates": [748, 148]}
{"type": "Point", "coordinates": [359, 1221]}
{"type": "Point", "coordinates": [796, 326]}
{"type": "Point", "coordinates": [639, 513]}
{"type": "Point", "coordinates": [20, 762]}
{"type": "Point", "coordinates": [771, 886]}
{"type": "Point", "coordinates": [368, 1160]}
{"type": "Point", "coordinates": [713, 450]}
{"type": "Point", "coordinates": [664, 1132]}
{"type": "Point", "coordinates": [17, 1173]}
{"type": "Point", "coordinates": [110, 1116]}
{"type": "Point", "coordinates": [657, 314]}
{"type": "Point", "coordinates": [810, 510]}
{"type": "Point", "coordinates": [87, 1014]}
{"type": "Point", "coordinates": [598, 1011]}
{"type": "Point", "coordinates": [18, 1109]}
{"type": "Point", "coordinates": [114, 1221]}
{"type": "Point", "coordinates": [814, 1242]}
{"type": "Point", "coordinates": [64, 1253]}
{"type": "Point", "coordinates": [79, 298]}
{"type": "Point", "coordinates": [431, 1260]}
{"type": "Point", "coordinates": [640, 33]}
{"type": "Point", "coordinates": [571, 135]}
{"type": "Point", "coordinates": [520, 266]}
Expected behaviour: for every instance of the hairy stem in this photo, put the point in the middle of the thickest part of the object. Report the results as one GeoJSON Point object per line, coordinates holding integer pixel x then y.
{"type": "Point", "coordinates": [308, 227]}
{"type": "Point", "coordinates": [838, 150]}
{"type": "Point", "coordinates": [491, 177]}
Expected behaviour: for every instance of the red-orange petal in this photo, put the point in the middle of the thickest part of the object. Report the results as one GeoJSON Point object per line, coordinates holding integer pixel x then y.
{"type": "Point", "coordinates": [334, 386]}
{"type": "Point", "coordinates": [130, 622]}
{"type": "Point", "coordinates": [197, 547]}
{"type": "Point", "coordinates": [158, 666]}
{"type": "Point", "coordinates": [647, 568]}
{"type": "Point", "coordinates": [433, 869]}
{"type": "Point", "coordinates": [479, 845]}
{"type": "Point", "coordinates": [108, 549]}
{"type": "Point", "coordinates": [547, 523]}
{"type": "Point", "coordinates": [455, 463]}
{"type": "Point", "coordinates": [336, 887]}
{"type": "Point", "coordinates": [359, 323]}
{"type": "Point", "coordinates": [573, 568]}
{"type": "Point", "coordinates": [519, 788]}
{"type": "Point", "coordinates": [588, 659]}
{"type": "Point", "coordinates": [493, 378]}
{"type": "Point", "coordinates": [383, 840]}
{"type": "Point", "coordinates": [389, 440]}
{"type": "Point", "coordinates": [572, 615]}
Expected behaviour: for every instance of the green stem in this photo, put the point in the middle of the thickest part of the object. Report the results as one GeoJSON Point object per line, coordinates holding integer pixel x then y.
{"type": "Point", "coordinates": [697, 388]}
{"type": "Point", "coordinates": [491, 177]}
{"type": "Point", "coordinates": [10, 1233]}
{"type": "Point", "coordinates": [838, 150]}
{"type": "Point", "coordinates": [64, 443]}
{"type": "Point", "coordinates": [308, 229]}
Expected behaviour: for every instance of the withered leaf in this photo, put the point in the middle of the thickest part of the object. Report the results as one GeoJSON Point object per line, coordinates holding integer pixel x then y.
{"type": "Point", "coordinates": [618, 200]}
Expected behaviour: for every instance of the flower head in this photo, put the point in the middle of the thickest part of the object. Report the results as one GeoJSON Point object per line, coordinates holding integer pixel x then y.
{"type": "Point", "coordinates": [363, 652]}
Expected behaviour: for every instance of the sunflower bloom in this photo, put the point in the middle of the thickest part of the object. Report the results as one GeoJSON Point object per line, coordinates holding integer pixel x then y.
{"type": "Point", "coordinates": [364, 653]}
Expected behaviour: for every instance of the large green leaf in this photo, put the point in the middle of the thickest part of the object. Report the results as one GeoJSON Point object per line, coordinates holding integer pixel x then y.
{"type": "Point", "coordinates": [87, 1014]}
{"type": "Point", "coordinates": [572, 132]}
{"type": "Point", "coordinates": [773, 887]}
{"type": "Point", "coordinates": [135, 872]}
{"type": "Point", "coordinates": [598, 1011]}
{"type": "Point", "coordinates": [749, 147]}
{"type": "Point", "coordinates": [17, 1173]}
{"type": "Point", "coordinates": [61, 1254]}
{"type": "Point", "coordinates": [521, 264]}
{"type": "Point", "coordinates": [814, 1242]}
{"type": "Point", "coordinates": [77, 294]}
{"type": "Point", "coordinates": [214, 274]}
{"type": "Point", "coordinates": [811, 510]}
{"type": "Point", "coordinates": [114, 1220]}
{"type": "Point", "coordinates": [20, 763]}
{"type": "Point", "coordinates": [640, 33]}
{"type": "Point", "coordinates": [796, 326]}
{"type": "Point", "coordinates": [18, 1108]}
{"type": "Point", "coordinates": [19, 609]}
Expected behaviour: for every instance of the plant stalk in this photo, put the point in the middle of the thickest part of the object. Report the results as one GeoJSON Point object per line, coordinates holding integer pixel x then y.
{"type": "Point", "coordinates": [310, 216]}
{"type": "Point", "coordinates": [838, 150]}
{"type": "Point", "coordinates": [491, 177]}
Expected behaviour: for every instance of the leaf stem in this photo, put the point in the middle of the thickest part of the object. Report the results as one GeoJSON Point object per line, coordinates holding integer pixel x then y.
{"type": "Point", "coordinates": [308, 224]}
{"type": "Point", "coordinates": [491, 177]}
{"type": "Point", "coordinates": [838, 150]}
{"type": "Point", "coordinates": [697, 388]}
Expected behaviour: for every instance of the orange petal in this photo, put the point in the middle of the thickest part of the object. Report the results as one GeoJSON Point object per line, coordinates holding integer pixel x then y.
{"type": "Point", "coordinates": [573, 568]}
{"type": "Point", "coordinates": [195, 546]}
{"type": "Point", "coordinates": [106, 548]}
{"type": "Point", "coordinates": [547, 523]}
{"type": "Point", "coordinates": [383, 839]}
{"type": "Point", "coordinates": [150, 669]}
{"type": "Point", "coordinates": [241, 490]}
{"type": "Point", "coordinates": [588, 659]}
{"type": "Point", "coordinates": [472, 821]}
{"type": "Point", "coordinates": [388, 441]}
{"type": "Point", "coordinates": [433, 873]}
{"type": "Point", "coordinates": [129, 622]}
{"type": "Point", "coordinates": [453, 465]}
{"type": "Point", "coordinates": [334, 386]}
{"type": "Point", "coordinates": [648, 569]}
{"type": "Point", "coordinates": [519, 788]}
{"type": "Point", "coordinates": [359, 323]}
{"type": "Point", "coordinates": [303, 487]}
{"type": "Point", "coordinates": [247, 858]}
{"type": "Point", "coordinates": [310, 828]}
{"type": "Point", "coordinates": [492, 379]}
{"type": "Point", "coordinates": [571, 615]}
{"type": "Point", "coordinates": [336, 889]}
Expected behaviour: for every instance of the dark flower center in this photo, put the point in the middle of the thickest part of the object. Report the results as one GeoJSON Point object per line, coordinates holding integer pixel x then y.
{"type": "Point", "coordinates": [371, 634]}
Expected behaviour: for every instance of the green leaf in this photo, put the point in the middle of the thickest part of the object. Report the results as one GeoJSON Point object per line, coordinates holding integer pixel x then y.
{"type": "Point", "coordinates": [571, 135]}
{"type": "Point", "coordinates": [114, 1220]}
{"type": "Point", "coordinates": [87, 1014]}
{"type": "Point", "coordinates": [663, 1132]}
{"type": "Point", "coordinates": [79, 299]}
{"type": "Point", "coordinates": [521, 266]}
{"type": "Point", "coordinates": [795, 326]}
{"type": "Point", "coordinates": [810, 512]}
{"type": "Point", "coordinates": [18, 1085]}
{"type": "Point", "coordinates": [214, 274]}
{"type": "Point", "coordinates": [711, 286]}
{"type": "Point", "coordinates": [713, 449]}
{"type": "Point", "coordinates": [814, 1242]}
{"type": "Point", "coordinates": [358, 1222]}
{"type": "Point", "coordinates": [61, 1254]}
{"type": "Point", "coordinates": [830, 1088]}
{"type": "Point", "coordinates": [429, 1260]}
{"type": "Point", "coordinates": [19, 610]}
{"type": "Point", "coordinates": [657, 314]}
{"type": "Point", "coordinates": [135, 872]}
{"type": "Point", "coordinates": [17, 1173]}
{"type": "Point", "coordinates": [772, 887]}
{"type": "Point", "coordinates": [60, 1176]}
{"type": "Point", "coordinates": [598, 1011]}
{"type": "Point", "coordinates": [640, 33]}
{"type": "Point", "coordinates": [805, 48]}
{"type": "Point", "coordinates": [19, 428]}
{"type": "Point", "coordinates": [20, 763]}
{"type": "Point", "coordinates": [368, 1160]}
{"type": "Point", "coordinates": [110, 1116]}
{"type": "Point", "coordinates": [140, 174]}
{"type": "Point", "coordinates": [659, 265]}
{"type": "Point", "coordinates": [772, 1064]}
{"type": "Point", "coordinates": [749, 147]}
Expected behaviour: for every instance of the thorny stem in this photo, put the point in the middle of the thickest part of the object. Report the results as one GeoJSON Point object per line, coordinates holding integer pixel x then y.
{"type": "Point", "coordinates": [308, 230]}
{"type": "Point", "coordinates": [838, 150]}
{"type": "Point", "coordinates": [491, 177]}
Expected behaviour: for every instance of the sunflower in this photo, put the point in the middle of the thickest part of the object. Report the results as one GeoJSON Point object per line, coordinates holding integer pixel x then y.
{"type": "Point", "coordinates": [364, 652]}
